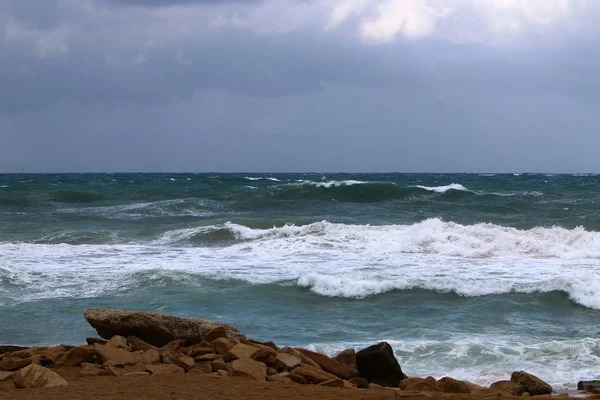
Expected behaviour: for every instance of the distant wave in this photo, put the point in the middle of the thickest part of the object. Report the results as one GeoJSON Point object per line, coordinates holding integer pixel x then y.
{"type": "Point", "coordinates": [444, 189]}
{"type": "Point", "coordinates": [259, 178]}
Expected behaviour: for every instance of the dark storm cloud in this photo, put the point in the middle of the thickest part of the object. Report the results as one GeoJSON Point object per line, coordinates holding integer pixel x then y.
{"type": "Point", "coordinates": [236, 85]}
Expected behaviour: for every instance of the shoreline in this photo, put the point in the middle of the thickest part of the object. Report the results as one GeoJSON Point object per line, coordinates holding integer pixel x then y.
{"type": "Point", "coordinates": [189, 355]}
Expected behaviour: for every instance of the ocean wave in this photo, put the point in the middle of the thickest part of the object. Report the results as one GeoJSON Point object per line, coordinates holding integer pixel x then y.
{"type": "Point", "coordinates": [444, 189]}
{"type": "Point", "coordinates": [260, 178]}
{"type": "Point", "coordinates": [329, 184]}
{"type": "Point", "coordinates": [485, 359]}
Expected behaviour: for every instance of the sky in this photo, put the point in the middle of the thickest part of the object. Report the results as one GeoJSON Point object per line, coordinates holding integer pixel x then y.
{"type": "Point", "coordinates": [299, 85]}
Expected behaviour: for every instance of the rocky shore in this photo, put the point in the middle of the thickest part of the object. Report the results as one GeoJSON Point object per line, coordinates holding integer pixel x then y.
{"type": "Point", "coordinates": [150, 351]}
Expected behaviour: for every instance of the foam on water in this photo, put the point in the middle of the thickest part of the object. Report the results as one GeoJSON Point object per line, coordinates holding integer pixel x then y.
{"type": "Point", "coordinates": [485, 359]}
{"type": "Point", "coordinates": [338, 260]}
{"type": "Point", "coordinates": [329, 184]}
{"type": "Point", "coordinates": [444, 189]}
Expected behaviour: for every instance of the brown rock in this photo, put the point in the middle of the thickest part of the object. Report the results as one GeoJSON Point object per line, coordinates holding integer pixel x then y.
{"type": "Point", "coordinates": [347, 357]}
{"type": "Point", "coordinates": [338, 383]}
{"type": "Point", "coordinates": [195, 351]}
{"type": "Point", "coordinates": [207, 357]}
{"type": "Point", "coordinates": [533, 385]}
{"type": "Point", "coordinates": [106, 353]}
{"type": "Point", "coordinates": [223, 345]}
{"type": "Point", "coordinates": [138, 344]}
{"type": "Point", "coordinates": [249, 368]}
{"type": "Point", "coordinates": [206, 367]}
{"type": "Point", "coordinates": [149, 357]}
{"type": "Point", "coordinates": [92, 370]}
{"type": "Point", "coordinates": [330, 365]}
{"type": "Point", "coordinates": [313, 374]}
{"type": "Point", "coordinates": [164, 369]}
{"type": "Point", "coordinates": [287, 360]}
{"type": "Point", "coordinates": [588, 385]}
{"type": "Point", "coordinates": [222, 373]}
{"type": "Point", "coordinates": [449, 385]}
{"type": "Point", "coordinates": [409, 381]}
{"type": "Point", "coordinates": [514, 388]}
{"type": "Point", "coordinates": [219, 364]}
{"type": "Point", "coordinates": [243, 351]}
{"type": "Point", "coordinates": [378, 361]}
{"type": "Point", "coordinates": [11, 349]}
{"type": "Point", "coordinates": [137, 373]}
{"type": "Point", "coordinates": [426, 385]}
{"type": "Point", "coordinates": [215, 333]}
{"type": "Point", "coordinates": [115, 364]}
{"type": "Point", "coordinates": [5, 375]}
{"type": "Point", "coordinates": [13, 364]}
{"type": "Point", "coordinates": [359, 382]}
{"type": "Point", "coordinates": [298, 378]}
{"type": "Point", "coordinates": [137, 367]}
{"type": "Point", "coordinates": [154, 328]}
{"type": "Point", "coordinates": [118, 342]}
{"type": "Point", "coordinates": [173, 345]}
{"type": "Point", "coordinates": [76, 356]}
{"type": "Point", "coordinates": [186, 362]}
{"type": "Point", "coordinates": [34, 376]}
{"type": "Point", "coordinates": [269, 355]}
{"type": "Point", "coordinates": [26, 353]}
{"type": "Point", "coordinates": [92, 340]}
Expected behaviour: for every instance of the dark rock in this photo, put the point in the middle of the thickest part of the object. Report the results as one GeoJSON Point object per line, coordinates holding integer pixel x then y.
{"type": "Point", "coordinates": [378, 362]}
{"type": "Point", "coordinates": [588, 385]}
{"type": "Point", "coordinates": [156, 329]}
{"type": "Point", "coordinates": [359, 382]}
{"type": "Point", "coordinates": [533, 385]}
{"type": "Point", "coordinates": [10, 349]}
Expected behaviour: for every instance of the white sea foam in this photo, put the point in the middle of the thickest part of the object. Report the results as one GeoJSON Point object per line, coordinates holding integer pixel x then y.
{"type": "Point", "coordinates": [4, 186]}
{"type": "Point", "coordinates": [329, 184]}
{"type": "Point", "coordinates": [444, 189]}
{"type": "Point", "coordinates": [260, 178]}
{"type": "Point", "coordinates": [339, 260]}
{"type": "Point", "coordinates": [252, 178]}
{"type": "Point", "coordinates": [484, 359]}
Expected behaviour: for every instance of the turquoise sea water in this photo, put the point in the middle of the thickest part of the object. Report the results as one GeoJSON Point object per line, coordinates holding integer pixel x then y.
{"type": "Point", "coordinates": [467, 275]}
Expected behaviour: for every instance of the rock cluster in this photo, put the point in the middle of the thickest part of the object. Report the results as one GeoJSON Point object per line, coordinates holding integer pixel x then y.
{"type": "Point", "coordinates": [222, 350]}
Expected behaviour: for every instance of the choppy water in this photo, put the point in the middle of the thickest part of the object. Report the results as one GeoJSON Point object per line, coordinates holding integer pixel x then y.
{"type": "Point", "coordinates": [466, 275]}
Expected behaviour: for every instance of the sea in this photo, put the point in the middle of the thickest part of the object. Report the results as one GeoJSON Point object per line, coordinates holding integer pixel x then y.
{"type": "Point", "coordinates": [466, 275]}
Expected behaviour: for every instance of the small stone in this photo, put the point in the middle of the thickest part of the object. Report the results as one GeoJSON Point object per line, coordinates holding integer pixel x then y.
{"type": "Point", "coordinates": [215, 333]}
{"type": "Point", "coordinates": [313, 374]}
{"type": "Point", "coordinates": [34, 376]}
{"type": "Point", "coordinates": [426, 385]}
{"type": "Point", "coordinates": [5, 375]}
{"type": "Point", "coordinates": [223, 373]}
{"type": "Point", "coordinates": [218, 364]}
{"type": "Point", "coordinates": [249, 368]}
{"type": "Point", "coordinates": [90, 370]}
{"type": "Point", "coordinates": [107, 353]}
{"type": "Point", "coordinates": [450, 385]}
{"type": "Point", "coordinates": [174, 345]}
{"type": "Point", "coordinates": [287, 360]}
{"type": "Point", "coordinates": [298, 378]}
{"type": "Point", "coordinates": [330, 365]}
{"type": "Point", "coordinates": [338, 383]}
{"type": "Point", "coordinates": [359, 382]}
{"type": "Point", "coordinates": [118, 342]}
{"type": "Point", "coordinates": [223, 345]}
{"type": "Point", "coordinates": [195, 351]}
{"type": "Point", "coordinates": [93, 340]}
{"type": "Point", "coordinates": [164, 369]}
{"type": "Point", "coordinates": [150, 357]}
{"type": "Point", "coordinates": [347, 357]}
{"type": "Point", "coordinates": [243, 351]}
{"type": "Point", "coordinates": [278, 378]}
{"type": "Point", "coordinates": [514, 388]}
{"type": "Point", "coordinates": [115, 364]}
{"type": "Point", "coordinates": [137, 373]}
{"type": "Point", "coordinates": [205, 367]}
{"type": "Point", "coordinates": [138, 344]}
{"type": "Point", "coordinates": [207, 357]}
{"type": "Point", "coordinates": [115, 371]}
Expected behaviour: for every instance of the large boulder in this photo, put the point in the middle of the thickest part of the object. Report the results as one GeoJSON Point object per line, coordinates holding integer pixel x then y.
{"type": "Point", "coordinates": [533, 385]}
{"type": "Point", "coordinates": [378, 363]}
{"type": "Point", "coordinates": [156, 329]}
{"type": "Point", "coordinates": [34, 376]}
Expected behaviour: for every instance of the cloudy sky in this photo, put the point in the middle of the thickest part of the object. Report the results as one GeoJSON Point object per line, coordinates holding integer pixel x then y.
{"type": "Point", "coordinates": [300, 85]}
